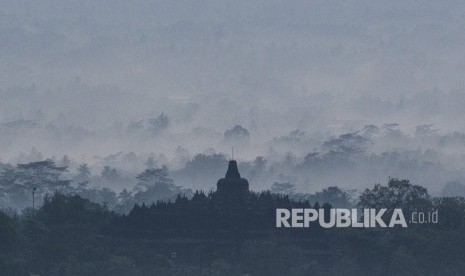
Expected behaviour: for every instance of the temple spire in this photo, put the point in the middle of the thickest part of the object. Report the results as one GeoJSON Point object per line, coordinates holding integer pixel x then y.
{"type": "Point", "coordinates": [233, 183]}
{"type": "Point", "coordinates": [233, 171]}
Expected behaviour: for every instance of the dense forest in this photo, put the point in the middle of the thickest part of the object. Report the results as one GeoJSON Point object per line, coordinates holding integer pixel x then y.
{"type": "Point", "coordinates": [217, 234]}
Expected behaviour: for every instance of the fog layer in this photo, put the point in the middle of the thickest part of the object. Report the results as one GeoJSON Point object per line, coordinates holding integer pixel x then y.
{"type": "Point", "coordinates": [380, 83]}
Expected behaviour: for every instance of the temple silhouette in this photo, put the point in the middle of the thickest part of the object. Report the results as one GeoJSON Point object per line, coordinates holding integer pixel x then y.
{"type": "Point", "coordinates": [232, 183]}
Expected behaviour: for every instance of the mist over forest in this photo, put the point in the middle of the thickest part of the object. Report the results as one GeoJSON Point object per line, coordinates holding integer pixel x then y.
{"type": "Point", "coordinates": [310, 93]}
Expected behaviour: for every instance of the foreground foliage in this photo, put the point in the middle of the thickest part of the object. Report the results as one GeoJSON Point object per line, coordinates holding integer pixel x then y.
{"type": "Point", "coordinates": [217, 235]}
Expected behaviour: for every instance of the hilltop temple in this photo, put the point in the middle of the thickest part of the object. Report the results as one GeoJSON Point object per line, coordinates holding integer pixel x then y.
{"type": "Point", "coordinates": [232, 183]}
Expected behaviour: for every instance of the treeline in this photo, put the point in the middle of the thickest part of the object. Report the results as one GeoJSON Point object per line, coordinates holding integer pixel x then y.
{"type": "Point", "coordinates": [353, 160]}
{"type": "Point", "coordinates": [215, 234]}
{"type": "Point", "coordinates": [120, 180]}
{"type": "Point", "coordinates": [22, 184]}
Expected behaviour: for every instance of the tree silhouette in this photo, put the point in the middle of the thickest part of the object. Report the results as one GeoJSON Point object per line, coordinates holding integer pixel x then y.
{"type": "Point", "coordinates": [155, 184]}
{"type": "Point", "coordinates": [42, 175]}
{"type": "Point", "coordinates": [83, 173]}
{"type": "Point", "coordinates": [110, 174]}
{"type": "Point", "coordinates": [397, 194]}
{"type": "Point", "coordinates": [237, 133]}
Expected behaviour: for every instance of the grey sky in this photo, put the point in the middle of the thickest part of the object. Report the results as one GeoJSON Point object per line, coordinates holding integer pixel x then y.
{"type": "Point", "coordinates": [84, 72]}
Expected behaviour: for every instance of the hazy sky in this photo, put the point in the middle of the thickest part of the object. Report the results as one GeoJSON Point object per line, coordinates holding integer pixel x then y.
{"type": "Point", "coordinates": [83, 71]}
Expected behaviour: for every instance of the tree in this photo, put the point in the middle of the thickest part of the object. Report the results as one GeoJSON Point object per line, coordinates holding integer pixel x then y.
{"type": "Point", "coordinates": [334, 195]}
{"type": "Point", "coordinates": [126, 202]}
{"type": "Point", "coordinates": [65, 161]}
{"type": "Point", "coordinates": [159, 124]}
{"type": "Point", "coordinates": [83, 173]}
{"type": "Point", "coordinates": [397, 194]}
{"type": "Point", "coordinates": [19, 183]}
{"type": "Point", "coordinates": [108, 197]}
{"type": "Point", "coordinates": [12, 194]}
{"type": "Point", "coordinates": [259, 163]}
{"type": "Point", "coordinates": [42, 175]}
{"type": "Point", "coordinates": [124, 195]}
{"type": "Point", "coordinates": [153, 177]}
{"type": "Point", "coordinates": [155, 184]}
{"type": "Point", "coordinates": [203, 169]}
{"type": "Point", "coordinates": [7, 180]}
{"type": "Point", "coordinates": [8, 234]}
{"type": "Point", "coordinates": [237, 133]}
{"type": "Point", "coordinates": [110, 174]}
{"type": "Point", "coordinates": [150, 163]}
{"type": "Point", "coordinates": [346, 145]}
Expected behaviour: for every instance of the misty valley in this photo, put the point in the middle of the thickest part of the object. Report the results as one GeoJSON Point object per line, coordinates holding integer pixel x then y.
{"type": "Point", "coordinates": [232, 138]}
